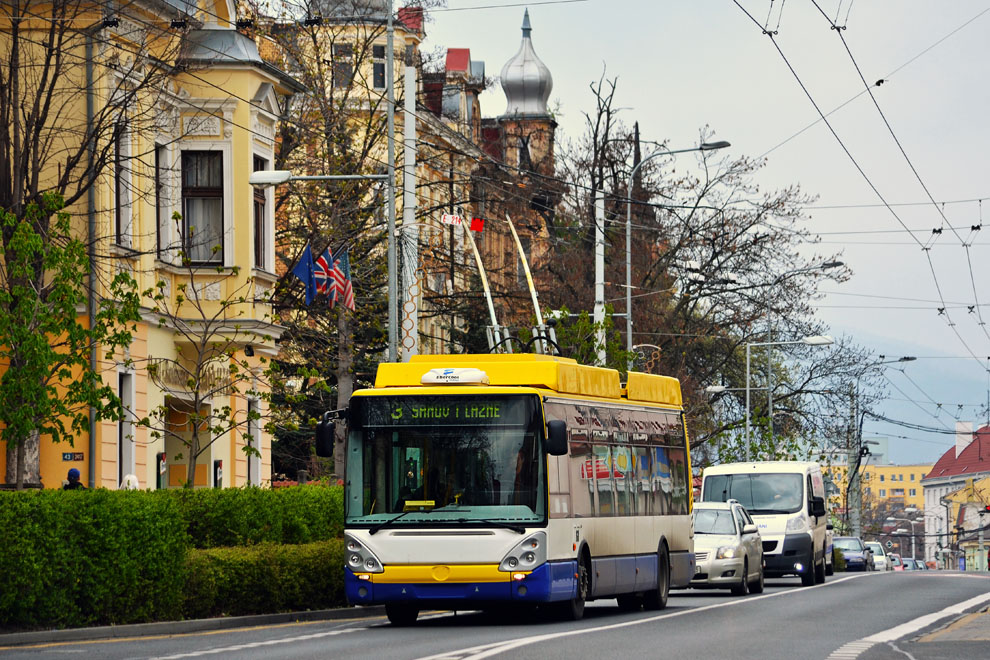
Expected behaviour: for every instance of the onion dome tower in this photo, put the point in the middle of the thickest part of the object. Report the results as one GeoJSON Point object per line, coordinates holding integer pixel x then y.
{"type": "Point", "coordinates": [527, 125]}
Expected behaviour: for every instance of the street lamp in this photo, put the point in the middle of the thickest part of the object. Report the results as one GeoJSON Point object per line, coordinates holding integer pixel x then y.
{"type": "Point", "coordinates": [704, 146]}
{"type": "Point", "coordinates": [904, 531]}
{"type": "Point", "coordinates": [812, 340]}
{"type": "Point", "coordinates": [268, 178]}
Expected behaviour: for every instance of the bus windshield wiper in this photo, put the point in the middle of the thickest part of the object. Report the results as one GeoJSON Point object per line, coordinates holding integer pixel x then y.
{"type": "Point", "coordinates": [377, 528]}
{"type": "Point", "coordinates": [761, 512]}
{"type": "Point", "coordinates": [518, 529]}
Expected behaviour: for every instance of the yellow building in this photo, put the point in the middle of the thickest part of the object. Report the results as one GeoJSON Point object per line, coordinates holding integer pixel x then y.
{"type": "Point", "coordinates": [175, 210]}
{"type": "Point", "coordinates": [885, 487]}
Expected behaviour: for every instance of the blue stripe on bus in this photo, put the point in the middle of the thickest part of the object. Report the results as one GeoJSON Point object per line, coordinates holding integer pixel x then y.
{"type": "Point", "coordinates": [550, 582]}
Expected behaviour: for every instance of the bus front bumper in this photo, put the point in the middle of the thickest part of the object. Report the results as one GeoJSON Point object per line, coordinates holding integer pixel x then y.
{"type": "Point", "coordinates": [461, 586]}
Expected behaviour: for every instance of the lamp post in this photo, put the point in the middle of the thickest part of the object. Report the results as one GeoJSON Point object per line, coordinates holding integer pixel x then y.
{"type": "Point", "coordinates": [812, 340]}
{"type": "Point", "coordinates": [268, 178]}
{"type": "Point", "coordinates": [897, 531]}
{"type": "Point", "coordinates": [705, 146]}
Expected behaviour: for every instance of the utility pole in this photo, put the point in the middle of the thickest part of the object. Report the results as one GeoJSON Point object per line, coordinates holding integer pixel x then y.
{"type": "Point", "coordinates": [599, 310]}
{"type": "Point", "coordinates": [854, 499]}
{"type": "Point", "coordinates": [410, 229]}
{"type": "Point", "coordinates": [393, 287]}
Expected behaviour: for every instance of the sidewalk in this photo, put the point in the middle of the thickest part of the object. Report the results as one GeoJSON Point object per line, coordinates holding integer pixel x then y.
{"type": "Point", "coordinates": [184, 627]}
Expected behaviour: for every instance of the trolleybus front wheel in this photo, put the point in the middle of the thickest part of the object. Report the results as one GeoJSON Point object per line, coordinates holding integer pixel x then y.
{"type": "Point", "coordinates": [573, 609]}
{"type": "Point", "coordinates": [400, 614]}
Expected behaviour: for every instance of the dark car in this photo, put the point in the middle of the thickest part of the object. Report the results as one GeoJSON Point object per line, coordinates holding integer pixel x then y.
{"type": "Point", "coordinates": [858, 557]}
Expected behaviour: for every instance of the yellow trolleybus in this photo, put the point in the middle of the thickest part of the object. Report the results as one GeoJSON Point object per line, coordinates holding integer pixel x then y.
{"type": "Point", "coordinates": [474, 481]}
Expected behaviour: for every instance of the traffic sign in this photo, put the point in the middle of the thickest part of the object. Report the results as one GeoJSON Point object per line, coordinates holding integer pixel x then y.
{"type": "Point", "coordinates": [890, 545]}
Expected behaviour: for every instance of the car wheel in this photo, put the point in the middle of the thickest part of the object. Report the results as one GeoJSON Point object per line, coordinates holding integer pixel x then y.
{"type": "Point", "coordinates": [756, 586]}
{"type": "Point", "coordinates": [742, 588]}
{"type": "Point", "coordinates": [657, 599]}
{"type": "Point", "coordinates": [400, 614]}
{"type": "Point", "coordinates": [820, 570]}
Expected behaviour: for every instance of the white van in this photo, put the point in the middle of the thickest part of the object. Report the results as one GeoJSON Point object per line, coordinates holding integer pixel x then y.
{"type": "Point", "coordinates": [787, 501]}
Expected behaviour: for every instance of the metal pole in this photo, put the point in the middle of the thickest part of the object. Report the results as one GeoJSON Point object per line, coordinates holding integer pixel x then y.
{"type": "Point", "coordinates": [393, 289]}
{"type": "Point", "coordinates": [747, 402]}
{"type": "Point", "coordinates": [410, 229]}
{"type": "Point", "coordinates": [770, 384]}
{"type": "Point", "coordinates": [981, 555]}
{"type": "Point", "coordinates": [914, 555]}
{"type": "Point", "coordinates": [599, 311]}
{"type": "Point", "coordinates": [629, 318]}
{"type": "Point", "coordinates": [529, 280]}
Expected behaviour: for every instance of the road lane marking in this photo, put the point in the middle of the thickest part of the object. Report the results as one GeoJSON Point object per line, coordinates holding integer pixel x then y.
{"type": "Point", "coordinates": [255, 645]}
{"type": "Point", "coordinates": [854, 649]}
{"type": "Point", "coordinates": [488, 650]}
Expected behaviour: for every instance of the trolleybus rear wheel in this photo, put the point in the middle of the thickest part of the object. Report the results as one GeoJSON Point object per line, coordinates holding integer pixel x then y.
{"type": "Point", "coordinates": [657, 599]}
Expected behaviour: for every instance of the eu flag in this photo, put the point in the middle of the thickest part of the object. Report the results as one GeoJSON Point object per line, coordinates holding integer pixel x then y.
{"type": "Point", "coordinates": [304, 271]}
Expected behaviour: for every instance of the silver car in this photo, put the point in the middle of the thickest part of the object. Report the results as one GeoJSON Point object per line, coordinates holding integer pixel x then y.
{"type": "Point", "coordinates": [728, 550]}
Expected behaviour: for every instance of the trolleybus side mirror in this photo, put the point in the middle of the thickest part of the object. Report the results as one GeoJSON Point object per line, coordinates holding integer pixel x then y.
{"type": "Point", "coordinates": [324, 436]}
{"type": "Point", "coordinates": [817, 506]}
{"type": "Point", "coordinates": [557, 437]}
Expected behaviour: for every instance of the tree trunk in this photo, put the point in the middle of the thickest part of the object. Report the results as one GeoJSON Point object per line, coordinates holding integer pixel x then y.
{"type": "Point", "coordinates": [27, 455]}
{"type": "Point", "coordinates": [345, 385]}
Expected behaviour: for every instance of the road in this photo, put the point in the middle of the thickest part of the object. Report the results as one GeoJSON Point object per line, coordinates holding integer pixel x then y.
{"type": "Point", "coordinates": [871, 616]}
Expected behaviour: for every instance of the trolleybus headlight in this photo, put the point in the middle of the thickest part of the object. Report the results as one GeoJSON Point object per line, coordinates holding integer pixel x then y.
{"type": "Point", "coordinates": [360, 559]}
{"type": "Point", "coordinates": [531, 552]}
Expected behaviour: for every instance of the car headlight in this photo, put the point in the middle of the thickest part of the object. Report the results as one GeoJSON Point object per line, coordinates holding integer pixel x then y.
{"type": "Point", "coordinates": [797, 524]}
{"type": "Point", "coordinates": [527, 554]}
{"type": "Point", "coordinates": [726, 552]}
{"type": "Point", "coordinates": [359, 558]}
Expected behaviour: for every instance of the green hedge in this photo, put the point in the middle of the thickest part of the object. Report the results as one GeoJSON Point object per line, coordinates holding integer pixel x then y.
{"type": "Point", "coordinates": [77, 558]}
{"type": "Point", "coordinates": [264, 578]}
{"type": "Point", "coordinates": [244, 516]}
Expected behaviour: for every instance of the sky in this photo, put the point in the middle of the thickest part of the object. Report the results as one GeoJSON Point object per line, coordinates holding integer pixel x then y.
{"type": "Point", "coordinates": [682, 66]}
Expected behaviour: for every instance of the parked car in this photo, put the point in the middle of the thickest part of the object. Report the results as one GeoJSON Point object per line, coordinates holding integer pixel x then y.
{"type": "Point", "coordinates": [829, 569]}
{"type": "Point", "coordinates": [881, 561]}
{"type": "Point", "coordinates": [728, 550]}
{"type": "Point", "coordinates": [910, 564]}
{"type": "Point", "coordinates": [896, 562]}
{"type": "Point", "coordinates": [858, 557]}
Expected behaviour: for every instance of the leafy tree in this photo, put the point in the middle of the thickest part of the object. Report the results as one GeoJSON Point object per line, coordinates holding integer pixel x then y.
{"type": "Point", "coordinates": [212, 363]}
{"type": "Point", "coordinates": [49, 386]}
{"type": "Point", "coordinates": [71, 86]}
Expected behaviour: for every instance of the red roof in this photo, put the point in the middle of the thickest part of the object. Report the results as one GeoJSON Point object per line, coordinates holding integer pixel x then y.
{"type": "Point", "coordinates": [412, 18]}
{"type": "Point", "coordinates": [974, 459]}
{"type": "Point", "coordinates": [458, 59]}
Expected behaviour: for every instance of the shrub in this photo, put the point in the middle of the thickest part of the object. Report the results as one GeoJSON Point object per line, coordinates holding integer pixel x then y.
{"type": "Point", "coordinates": [244, 516]}
{"type": "Point", "coordinates": [838, 560]}
{"type": "Point", "coordinates": [76, 558]}
{"type": "Point", "coordinates": [264, 578]}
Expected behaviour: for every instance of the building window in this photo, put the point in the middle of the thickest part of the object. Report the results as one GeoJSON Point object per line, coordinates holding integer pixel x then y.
{"type": "Point", "coordinates": [897, 492]}
{"type": "Point", "coordinates": [881, 477]}
{"type": "Point", "coordinates": [343, 65]}
{"type": "Point", "coordinates": [122, 187]}
{"type": "Point", "coordinates": [883, 493]}
{"type": "Point", "coordinates": [912, 477]}
{"type": "Point", "coordinates": [202, 206]}
{"type": "Point", "coordinates": [161, 197]}
{"type": "Point", "coordinates": [125, 427]}
{"type": "Point", "coordinates": [378, 66]}
{"type": "Point", "coordinates": [913, 492]}
{"type": "Point", "coordinates": [260, 218]}
{"type": "Point", "coordinates": [900, 477]}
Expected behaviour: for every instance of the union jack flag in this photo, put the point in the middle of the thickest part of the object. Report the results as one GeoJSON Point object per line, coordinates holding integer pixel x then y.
{"type": "Point", "coordinates": [343, 290]}
{"type": "Point", "coordinates": [323, 272]}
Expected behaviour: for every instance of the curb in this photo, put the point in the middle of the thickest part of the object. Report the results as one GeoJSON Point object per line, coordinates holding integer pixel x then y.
{"type": "Point", "coordinates": [184, 627]}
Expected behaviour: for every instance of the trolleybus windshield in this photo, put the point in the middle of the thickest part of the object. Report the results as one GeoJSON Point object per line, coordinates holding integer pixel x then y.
{"type": "Point", "coordinates": [445, 459]}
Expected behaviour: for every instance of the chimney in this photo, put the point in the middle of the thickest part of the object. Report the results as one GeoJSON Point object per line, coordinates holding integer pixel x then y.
{"type": "Point", "coordinates": [964, 436]}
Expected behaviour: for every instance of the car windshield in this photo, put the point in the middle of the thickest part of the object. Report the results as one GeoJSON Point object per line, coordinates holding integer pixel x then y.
{"type": "Point", "coordinates": [895, 560]}
{"type": "Point", "coordinates": [848, 544]}
{"type": "Point", "coordinates": [909, 563]}
{"type": "Point", "coordinates": [713, 521]}
{"type": "Point", "coordinates": [876, 548]}
{"type": "Point", "coordinates": [445, 460]}
{"type": "Point", "coordinates": [766, 493]}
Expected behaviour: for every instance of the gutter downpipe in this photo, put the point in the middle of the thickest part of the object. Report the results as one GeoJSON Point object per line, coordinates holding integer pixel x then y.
{"type": "Point", "coordinates": [91, 250]}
